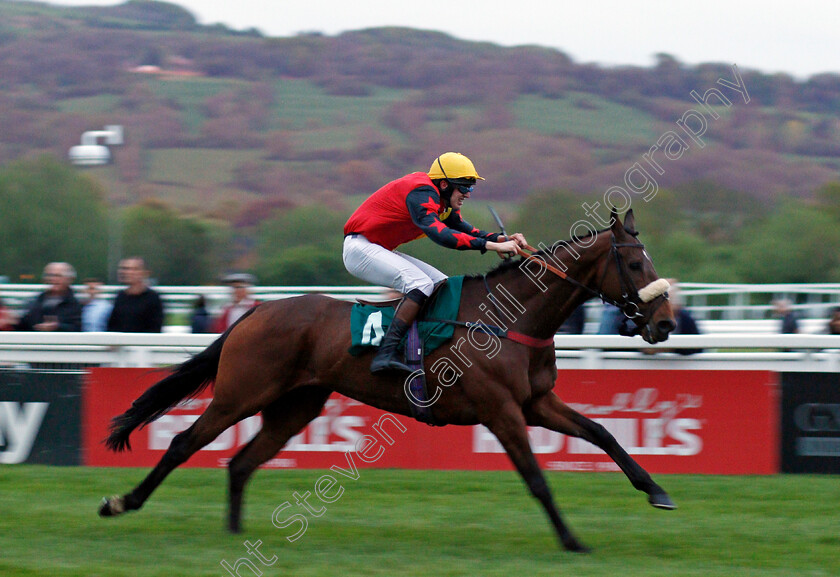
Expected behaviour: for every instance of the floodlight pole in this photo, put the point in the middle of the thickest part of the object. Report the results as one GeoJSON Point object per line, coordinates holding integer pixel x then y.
{"type": "Point", "coordinates": [90, 153]}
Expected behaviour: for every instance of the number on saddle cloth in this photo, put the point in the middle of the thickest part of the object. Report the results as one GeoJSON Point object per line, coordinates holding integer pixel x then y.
{"type": "Point", "coordinates": [368, 323]}
{"type": "Point", "coordinates": [373, 331]}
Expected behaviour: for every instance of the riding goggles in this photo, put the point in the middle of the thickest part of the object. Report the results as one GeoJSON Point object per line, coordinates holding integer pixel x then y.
{"type": "Point", "coordinates": [465, 189]}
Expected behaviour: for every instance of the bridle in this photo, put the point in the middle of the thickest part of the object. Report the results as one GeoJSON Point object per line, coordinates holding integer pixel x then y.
{"type": "Point", "coordinates": [630, 301]}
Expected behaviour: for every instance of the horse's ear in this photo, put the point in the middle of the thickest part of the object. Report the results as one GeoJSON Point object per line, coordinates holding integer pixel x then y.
{"type": "Point", "coordinates": [630, 223]}
{"type": "Point", "coordinates": [615, 222]}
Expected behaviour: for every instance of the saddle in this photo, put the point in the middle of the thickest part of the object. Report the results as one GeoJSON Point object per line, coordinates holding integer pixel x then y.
{"type": "Point", "coordinates": [370, 319]}
{"type": "Point", "coordinates": [395, 297]}
{"type": "Point", "coordinates": [392, 303]}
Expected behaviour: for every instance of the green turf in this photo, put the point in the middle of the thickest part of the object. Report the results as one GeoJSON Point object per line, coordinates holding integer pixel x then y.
{"type": "Point", "coordinates": [420, 523]}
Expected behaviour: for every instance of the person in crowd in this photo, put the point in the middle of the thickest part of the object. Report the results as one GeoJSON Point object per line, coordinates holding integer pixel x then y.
{"type": "Point", "coordinates": [200, 322]}
{"type": "Point", "coordinates": [783, 309]}
{"type": "Point", "coordinates": [137, 308]}
{"type": "Point", "coordinates": [611, 317]}
{"type": "Point", "coordinates": [7, 319]}
{"type": "Point", "coordinates": [574, 325]}
{"type": "Point", "coordinates": [96, 309]}
{"type": "Point", "coordinates": [833, 327]}
{"type": "Point", "coordinates": [686, 325]}
{"type": "Point", "coordinates": [416, 205]}
{"type": "Point", "coordinates": [55, 309]}
{"type": "Point", "coordinates": [241, 300]}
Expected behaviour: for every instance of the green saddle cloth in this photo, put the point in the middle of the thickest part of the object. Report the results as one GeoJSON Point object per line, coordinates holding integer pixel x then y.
{"type": "Point", "coordinates": [368, 324]}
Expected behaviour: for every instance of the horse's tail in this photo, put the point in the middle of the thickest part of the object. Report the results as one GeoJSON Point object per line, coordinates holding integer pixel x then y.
{"type": "Point", "coordinates": [186, 382]}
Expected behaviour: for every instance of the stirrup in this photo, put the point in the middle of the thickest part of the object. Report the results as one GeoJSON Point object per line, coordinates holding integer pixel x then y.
{"type": "Point", "coordinates": [390, 364]}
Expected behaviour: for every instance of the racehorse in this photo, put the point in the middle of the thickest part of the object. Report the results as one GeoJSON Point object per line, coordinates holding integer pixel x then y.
{"type": "Point", "coordinates": [286, 357]}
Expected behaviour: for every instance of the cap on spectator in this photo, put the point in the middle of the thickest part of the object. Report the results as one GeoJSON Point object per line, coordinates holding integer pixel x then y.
{"type": "Point", "coordinates": [240, 278]}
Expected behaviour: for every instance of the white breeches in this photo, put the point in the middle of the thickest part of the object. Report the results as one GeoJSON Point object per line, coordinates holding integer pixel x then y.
{"type": "Point", "coordinates": [378, 265]}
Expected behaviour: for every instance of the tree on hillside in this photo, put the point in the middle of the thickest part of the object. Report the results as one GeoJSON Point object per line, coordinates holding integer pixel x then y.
{"type": "Point", "coordinates": [151, 14]}
{"type": "Point", "coordinates": [715, 212]}
{"type": "Point", "coordinates": [178, 250]}
{"type": "Point", "coordinates": [51, 212]}
{"type": "Point", "coordinates": [828, 200]}
{"type": "Point", "coordinates": [548, 216]}
{"type": "Point", "coordinates": [797, 243]}
{"type": "Point", "coordinates": [302, 247]}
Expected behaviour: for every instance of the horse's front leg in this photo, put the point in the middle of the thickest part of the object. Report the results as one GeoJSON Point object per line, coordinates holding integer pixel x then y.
{"type": "Point", "coordinates": [509, 427]}
{"type": "Point", "coordinates": [550, 412]}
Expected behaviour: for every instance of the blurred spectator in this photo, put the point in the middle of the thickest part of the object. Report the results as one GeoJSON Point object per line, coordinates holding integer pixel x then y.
{"type": "Point", "coordinates": [96, 310]}
{"type": "Point", "coordinates": [575, 323]}
{"type": "Point", "coordinates": [611, 318]}
{"type": "Point", "coordinates": [55, 309]}
{"type": "Point", "coordinates": [200, 318]}
{"type": "Point", "coordinates": [790, 324]}
{"type": "Point", "coordinates": [7, 320]}
{"type": "Point", "coordinates": [241, 300]}
{"type": "Point", "coordinates": [833, 327]}
{"type": "Point", "coordinates": [686, 325]}
{"type": "Point", "coordinates": [137, 308]}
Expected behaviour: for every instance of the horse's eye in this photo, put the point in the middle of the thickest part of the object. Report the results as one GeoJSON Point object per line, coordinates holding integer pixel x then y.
{"type": "Point", "coordinates": [637, 266]}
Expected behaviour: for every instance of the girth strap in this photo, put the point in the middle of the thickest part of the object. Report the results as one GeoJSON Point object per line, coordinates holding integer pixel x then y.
{"type": "Point", "coordinates": [532, 342]}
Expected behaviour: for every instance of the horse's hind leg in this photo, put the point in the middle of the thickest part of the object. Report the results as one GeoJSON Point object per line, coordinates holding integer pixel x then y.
{"type": "Point", "coordinates": [282, 419]}
{"type": "Point", "coordinates": [214, 421]}
{"type": "Point", "coordinates": [550, 412]}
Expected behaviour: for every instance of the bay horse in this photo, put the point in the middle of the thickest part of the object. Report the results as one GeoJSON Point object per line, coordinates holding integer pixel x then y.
{"type": "Point", "coordinates": [286, 357]}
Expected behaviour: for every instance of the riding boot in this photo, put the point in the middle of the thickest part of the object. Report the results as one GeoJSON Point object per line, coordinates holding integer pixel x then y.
{"type": "Point", "coordinates": [389, 355]}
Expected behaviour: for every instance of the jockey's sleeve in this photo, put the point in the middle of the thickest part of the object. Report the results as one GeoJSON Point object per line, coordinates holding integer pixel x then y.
{"type": "Point", "coordinates": [456, 222]}
{"type": "Point", "coordinates": [423, 204]}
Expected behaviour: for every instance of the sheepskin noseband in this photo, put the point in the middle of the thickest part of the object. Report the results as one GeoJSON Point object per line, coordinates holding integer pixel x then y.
{"type": "Point", "coordinates": [653, 290]}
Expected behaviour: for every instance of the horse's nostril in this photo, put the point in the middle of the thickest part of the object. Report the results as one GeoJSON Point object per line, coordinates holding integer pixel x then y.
{"type": "Point", "coordinates": [666, 327]}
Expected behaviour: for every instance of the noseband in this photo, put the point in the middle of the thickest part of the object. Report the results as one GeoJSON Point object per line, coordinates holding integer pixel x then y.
{"type": "Point", "coordinates": [655, 293]}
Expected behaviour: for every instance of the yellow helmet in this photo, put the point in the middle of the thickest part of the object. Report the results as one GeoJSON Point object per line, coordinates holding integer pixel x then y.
{"type": "Point", "coordinates": [453, 166]}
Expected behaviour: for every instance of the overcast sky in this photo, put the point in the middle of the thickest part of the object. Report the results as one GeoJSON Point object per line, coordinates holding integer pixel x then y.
{"type": "Point", "coordinates": [801, 38]}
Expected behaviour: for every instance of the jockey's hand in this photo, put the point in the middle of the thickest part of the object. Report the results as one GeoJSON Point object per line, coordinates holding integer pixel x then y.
{"type": "Point", "coordinates": [519, 238]}
{"type": "Point", "coordinates": [505, 249]}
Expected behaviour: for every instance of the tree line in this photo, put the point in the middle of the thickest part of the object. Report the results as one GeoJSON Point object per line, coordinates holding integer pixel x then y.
{"type": "Point", "coordinates": [50, 211]}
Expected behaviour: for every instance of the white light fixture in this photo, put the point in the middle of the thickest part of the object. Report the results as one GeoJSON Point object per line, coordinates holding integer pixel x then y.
{"type": "Point", "coordinates": [90, 152]}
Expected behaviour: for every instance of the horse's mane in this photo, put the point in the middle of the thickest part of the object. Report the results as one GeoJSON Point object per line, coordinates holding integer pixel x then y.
{"type": "Point", "coordinates": [511, 263]}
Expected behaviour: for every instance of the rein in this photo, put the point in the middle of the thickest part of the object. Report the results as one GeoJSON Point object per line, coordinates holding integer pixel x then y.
{"type": "Point", "coordinates": [628, 307]}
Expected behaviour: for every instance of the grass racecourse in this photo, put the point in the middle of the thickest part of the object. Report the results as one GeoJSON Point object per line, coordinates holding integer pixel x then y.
{"type": "Point", "coordinates": [419, 523]}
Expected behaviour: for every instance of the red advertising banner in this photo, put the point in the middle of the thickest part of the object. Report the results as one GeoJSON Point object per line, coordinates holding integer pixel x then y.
{"type": "Point", "coordinates": [718, 422]}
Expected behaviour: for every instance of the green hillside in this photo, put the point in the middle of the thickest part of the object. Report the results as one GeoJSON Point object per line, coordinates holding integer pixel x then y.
{"type": "Point", "coordinates": [241, 128]}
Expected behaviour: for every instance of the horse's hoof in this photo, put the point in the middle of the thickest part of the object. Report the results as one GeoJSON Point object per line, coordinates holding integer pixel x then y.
{"type": "Point", "coordinates": [576, 546]}
{"type": "Point", "coordinates": [111, 507]}
{"type": "Point", "coordinates": [662, 501]}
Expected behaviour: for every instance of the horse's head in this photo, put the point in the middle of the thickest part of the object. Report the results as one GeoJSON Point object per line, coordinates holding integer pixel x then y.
{"type": "Point", "coordinates": [628, 280]}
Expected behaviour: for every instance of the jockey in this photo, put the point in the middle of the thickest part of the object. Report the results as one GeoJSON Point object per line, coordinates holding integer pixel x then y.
{"type": "Point", "coordinates": [416, 205]}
